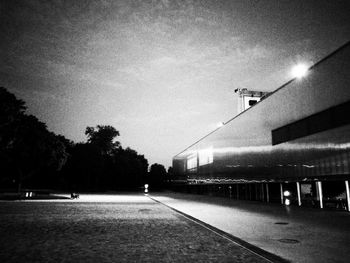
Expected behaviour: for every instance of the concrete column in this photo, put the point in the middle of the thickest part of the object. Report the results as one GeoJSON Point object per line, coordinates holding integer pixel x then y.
{"type": "Point", "coordinates": [298, 191]}
{"type": "Point", "coordinates": [347, 194]}
{"type": "Point", "coordinates": [246, 191]}
{"type": "Point", "coordinates": [262, 192]}
{"type": "Point", "coordinates": [319, 193]}
{"type": "Point", "coordinates": [256, 192]}
{"type": "Point", "coordinates": [250, 191]}
{"type": "Point", "coordinates": [267, 193]}
{"type": "Point", "coordinates": [237, 188]}
{"type": "Point", "coordinates": [281, 189]}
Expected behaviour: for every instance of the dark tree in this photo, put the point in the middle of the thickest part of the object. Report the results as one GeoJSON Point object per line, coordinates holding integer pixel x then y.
{"type": "Point", "coordinates": [84, 168]}
{"type": "Point", "coordinates": [103, 136]}
{"type": "Point", "coordinates": [34, 148]}
{"type": "Point", "coordinates": [157, 176]}
{"type": "Point", "coordinates": [26, 146]}
{"type": "Point", "coordinates": [130, 169]}
{"type": "Point", "coordinates": [10, 106]}
{"type": "Point", "coordinates": [11, 109]}
{"type": "Point", "coordinates": [102, 164]}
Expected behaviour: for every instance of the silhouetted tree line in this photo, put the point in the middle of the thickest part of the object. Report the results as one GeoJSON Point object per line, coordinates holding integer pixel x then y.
{"type": "Point", "coordinates": [157, 177]}
{"type": "Point", "coordinates": [33, 157]}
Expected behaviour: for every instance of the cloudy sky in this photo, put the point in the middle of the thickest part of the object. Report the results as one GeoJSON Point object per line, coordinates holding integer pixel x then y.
{"type": "Point", "coordinates": [163, 73]}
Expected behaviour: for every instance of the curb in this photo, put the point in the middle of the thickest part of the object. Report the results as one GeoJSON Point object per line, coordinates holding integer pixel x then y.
{"type": "Point", "coordinates": [252, 248]}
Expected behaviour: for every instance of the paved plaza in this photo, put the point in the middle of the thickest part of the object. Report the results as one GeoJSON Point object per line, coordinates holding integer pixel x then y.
{"type": "Point", "coordinates": [109, 228]}
{"type": "Point", "coordinates": [298, 234]}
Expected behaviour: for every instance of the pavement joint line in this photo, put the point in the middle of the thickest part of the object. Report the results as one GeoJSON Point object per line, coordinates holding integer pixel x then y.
{"type": "Point", "coordinates": [236, 240]}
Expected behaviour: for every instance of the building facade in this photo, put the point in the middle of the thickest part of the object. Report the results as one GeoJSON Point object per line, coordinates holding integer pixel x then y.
{"type": "Point", "coordinates": [293, 145]}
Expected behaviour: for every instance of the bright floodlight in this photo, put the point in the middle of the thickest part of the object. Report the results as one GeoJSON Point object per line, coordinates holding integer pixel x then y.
{"type": "Point", "coordinates": [299, 71]}
{"type": "Point", "coordinates": [286, 193]}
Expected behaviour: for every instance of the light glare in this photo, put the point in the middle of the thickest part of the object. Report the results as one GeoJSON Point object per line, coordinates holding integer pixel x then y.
{"type": "Point", "coordinates": [286, 193]}
{"type": "Point", "coordinates": [299, 71]}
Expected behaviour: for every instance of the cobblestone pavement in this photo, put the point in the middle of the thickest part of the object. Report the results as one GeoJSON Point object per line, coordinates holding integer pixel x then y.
{"type": "Point", "coordinates": [124, 229]}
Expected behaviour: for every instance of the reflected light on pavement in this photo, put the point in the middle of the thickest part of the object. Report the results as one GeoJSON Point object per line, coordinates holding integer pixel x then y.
{"type": "Point", "coordinates": [120, 198]}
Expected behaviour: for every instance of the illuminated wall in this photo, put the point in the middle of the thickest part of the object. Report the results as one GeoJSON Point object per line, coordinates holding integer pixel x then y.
{"type": "Point", "coordinates": [243, 148]}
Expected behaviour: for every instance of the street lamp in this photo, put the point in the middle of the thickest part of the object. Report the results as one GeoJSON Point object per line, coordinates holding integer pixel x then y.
{"type": "Point", "coordinates": [287, 194]}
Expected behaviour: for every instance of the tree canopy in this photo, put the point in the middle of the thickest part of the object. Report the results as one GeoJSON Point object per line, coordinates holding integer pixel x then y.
{"type": "Point", "coordinates": [157, 176]}
{"type": "Point", "coordinates": [26, 146]}
{"type": "Point", "coordinates": [103, 136]}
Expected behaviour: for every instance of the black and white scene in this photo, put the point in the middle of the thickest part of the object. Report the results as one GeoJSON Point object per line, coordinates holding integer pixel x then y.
{"type": "Point", "coordinates": [175, 131]}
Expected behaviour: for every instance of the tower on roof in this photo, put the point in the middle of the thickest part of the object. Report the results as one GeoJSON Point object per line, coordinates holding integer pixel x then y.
{"type": "Point", "coordinates": [248, 98]}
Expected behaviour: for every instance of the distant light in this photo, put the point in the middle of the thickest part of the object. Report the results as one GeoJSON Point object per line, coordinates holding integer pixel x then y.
{"type": "Point", "coordinates": [286, 193]}
{"type": "Point", "coordinates": [287, 202]}
{"type": "Point", "coordinates": [300, 71]}
{"type": "Point", "coordinates": [146, 188]}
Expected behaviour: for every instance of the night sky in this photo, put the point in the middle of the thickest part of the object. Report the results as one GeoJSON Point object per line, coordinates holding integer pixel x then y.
{"type": "Point", "coordinates": [163, 73]}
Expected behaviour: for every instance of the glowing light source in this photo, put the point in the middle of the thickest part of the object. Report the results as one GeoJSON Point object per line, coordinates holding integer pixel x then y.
{"type": "Point", "coordinates": [287, 202]}
{"type": "Point", "coordinates": [300, 71]}
{"type": "Point", "coordinates": [286, 193]}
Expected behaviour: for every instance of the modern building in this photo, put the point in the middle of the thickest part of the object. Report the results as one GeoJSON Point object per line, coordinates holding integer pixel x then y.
{"type": "Point", "coordinates": [291, 147]}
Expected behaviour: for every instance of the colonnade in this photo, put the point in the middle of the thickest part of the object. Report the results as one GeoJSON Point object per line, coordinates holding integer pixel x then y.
{"type": "Point", "coordinates": [284, 192]}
